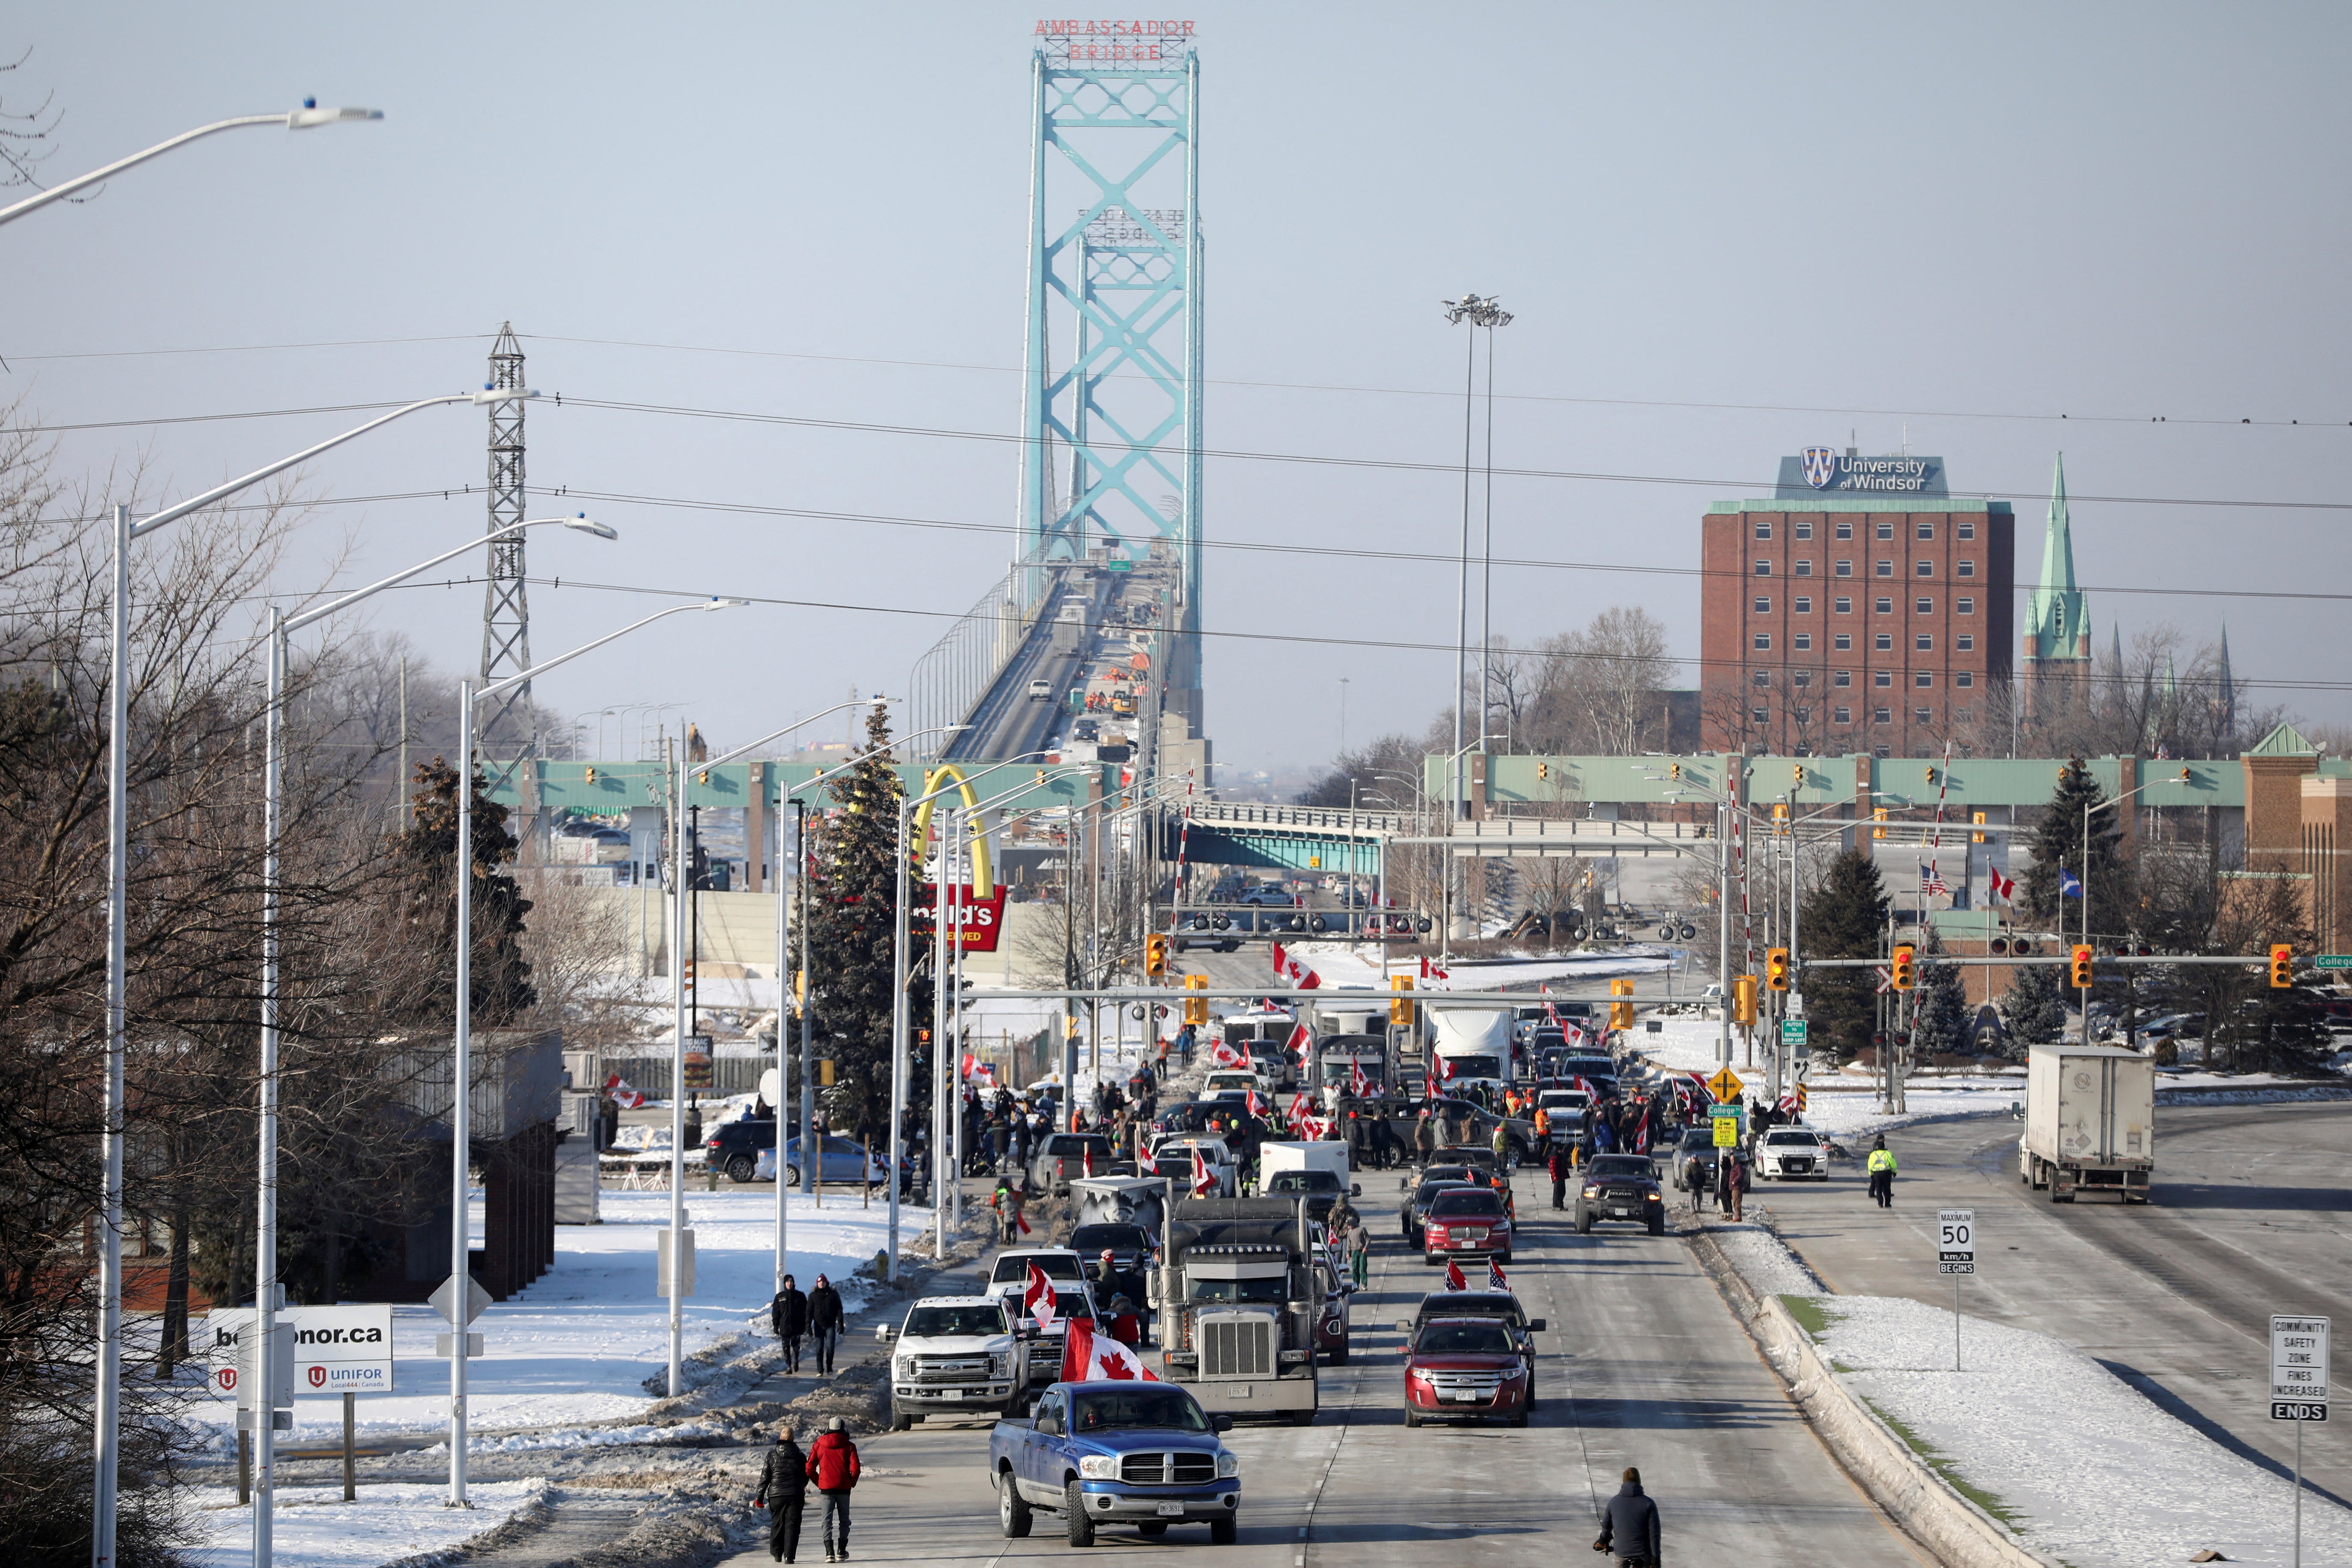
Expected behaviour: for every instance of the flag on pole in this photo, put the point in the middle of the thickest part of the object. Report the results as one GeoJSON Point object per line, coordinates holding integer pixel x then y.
{"type": "Point", "coordinates": [1280, 958]}
{"type": "Point", "coordinates": [1302, 1044]}
{"type": "Point", "coordinates": [1931, 881]}
{"type": "Point", "coordinates": [623, 1095]}
{"type": "Point", "coordinates": [1204, 1184]}
{"type": "Point", "coordinates": [2070, 886]}
{"type": "Point", "coordinates": [1087, 1161]}
{"type": "Point", "coordinates": [1226, 1054]}
{"type": "Point", "coordinates": [1356, 1082]}
{"type": "Point", "coordinates": [2003, 888]}
{"type": "Point", "coordinates": [1495, 1279]}
{"type": "Point", "coordinates": [1037, 1298]}
{"type": "Point", "coordinates": [1086, 1355]}
{"type": "Point", "coordinates": [1453, 1278]}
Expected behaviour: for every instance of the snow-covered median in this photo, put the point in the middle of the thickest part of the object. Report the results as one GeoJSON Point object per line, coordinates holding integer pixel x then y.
{"type": "Point", "coordinates": [313, 1527]}
{"type": "Point", "coordinates": [577, 1346]}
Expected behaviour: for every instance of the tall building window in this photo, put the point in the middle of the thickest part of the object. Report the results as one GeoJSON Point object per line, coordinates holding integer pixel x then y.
{"type": "Point", "coordinates": [1968, 530]}
{"type": "Point", "coordinates": [1885, 529]}
{"type": "Point", "coordinates": [1846, 568]}
{"type": "Point", "coordinates": [1804, 642]}
{"type": "Point", "coordinates": [1802, 605]}
{"type": "Point", "coordinates": [1886, 568]}
{"type": "Point", "coordinates": [1763, 641]}
{"type": "Point", "coordinates": [1804, 530]}
{"type": "Point", "coordinates": [1923, 678]}
{"type": "Point", "coordinates": [1799, 714]}
{"type": "Point", "coordinates": [1923, 607]}
{"type": "Point", "coordinates": [1844, 642]}
{"type": "Point", "coordinates": [1844, 606]}
{"type": "Point", "coordinates": [1967, 569]}
{"type": "Point", "coordinates": [1923, 715]}
{"type": "Point", "coordinates": [1762, 677]}
{"type": "Point", "coordinates": [1883, 606]}
{"type": "Point", "coordinates": [1804, 569]}
{"type": "Point", "coordinates": [1882, 678]}
{"type": "Point", "coordinates": [1959, 715]}
{"type": "Point", "coordinates": [1761, 715]}
{"type": "Point", "coordinates": [1842, 678]}
{"type": "Point", "coordinates": [1883, 642]}
{"type": "Point", "coordinates": [1964, 677]}
{"type": "Point", "coordinates": [1882, 716]}
{"type": "Point", "coordinates": [1923, 569]}
{"type": "Point", "coordinates": [1763, 528]}
{"type": "Point", "coordinates": [1927, 530]}
{"type": "Point", "coordinates": [1841, 715]}
{"type": "Point", "coordinates": [1967, 641]}
{"type": "Point", "coordinates": [1763, 569]}
{"type": "Point", "coordinates": [1846, 531]}
{"type": "Point", "coordinates": [1964, 606]}
{"type": "Point", "coordinates": [1763, 603]}
{"type": "Point", "coordinates": [1925, 642]}
{"type": "Point", "coordinates": [1802, 677]}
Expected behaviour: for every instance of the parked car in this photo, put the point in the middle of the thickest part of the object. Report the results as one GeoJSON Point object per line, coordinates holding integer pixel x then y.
{"type": "Point", "coordinates": [1458, 1367]}
{"type": "Point", "coordinates": [734, 1148]}
{"type": "Point", "coordinates": [1793, 1153]}
{"type": "Point", "coordinates": [845, 1164]}
{"type": "Point", "coordinates": [1622, 1187]}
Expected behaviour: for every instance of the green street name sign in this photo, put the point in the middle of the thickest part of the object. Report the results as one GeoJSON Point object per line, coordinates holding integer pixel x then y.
{"type": "Point", "coordinates": [2334, 961]}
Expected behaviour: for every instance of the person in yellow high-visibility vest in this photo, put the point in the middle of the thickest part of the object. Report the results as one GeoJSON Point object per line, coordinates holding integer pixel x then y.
{"type": "Point", "coordinates": [1881, 1174]}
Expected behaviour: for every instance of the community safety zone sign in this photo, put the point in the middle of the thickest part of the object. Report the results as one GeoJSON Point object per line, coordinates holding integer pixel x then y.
{"type": "Point", "coordinates": [335, 1349]}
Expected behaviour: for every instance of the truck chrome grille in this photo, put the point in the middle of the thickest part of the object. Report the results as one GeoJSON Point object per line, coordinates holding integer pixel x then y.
{"type": "Point", "coordinates": [1179, 1469]}
{"type": "Point", "coordinates": [950, 1369]}
{"type": "Point", "coordinates": [1237, 1347]}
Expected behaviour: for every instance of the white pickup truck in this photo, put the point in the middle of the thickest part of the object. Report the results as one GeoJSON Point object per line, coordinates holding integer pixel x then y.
{"type": "Point", "coordinates": [1074, 1298]}
{"type": "Point", "coordinates": [957, 1355]}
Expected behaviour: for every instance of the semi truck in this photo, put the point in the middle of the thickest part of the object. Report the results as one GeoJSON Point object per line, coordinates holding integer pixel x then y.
{"type": "Point", "coordinates": [1238, 1301]}
{"type": "Point", "coordinates": [2090, 1122]}
{"type": "Point", "coordinates": [1476, 1041]}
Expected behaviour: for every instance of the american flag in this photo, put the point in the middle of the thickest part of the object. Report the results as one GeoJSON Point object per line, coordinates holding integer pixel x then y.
{"type": "Point", "coordinates": [1931, 882]}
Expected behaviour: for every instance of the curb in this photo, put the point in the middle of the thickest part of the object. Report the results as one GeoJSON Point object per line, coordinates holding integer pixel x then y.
{"type": "Point", "coordinates": [1910, 1491]}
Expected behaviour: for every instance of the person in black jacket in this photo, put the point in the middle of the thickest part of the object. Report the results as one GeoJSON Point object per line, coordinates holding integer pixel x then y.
{"type": "Point", "coordinates": [783, 1492]}
{"type": "Point", "coordinates": [824, 1320]}
{"type": "Point", "coordinates": [1629, 1526]}
{"type": "Point", "coordinates": [788, 1314]}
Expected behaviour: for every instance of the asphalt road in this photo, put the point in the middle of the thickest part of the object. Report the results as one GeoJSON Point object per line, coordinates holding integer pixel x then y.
{"type": "Point", "coordinates": [1642, 1364]}
{"type": "Point", "coordinates": [2251, 1216]}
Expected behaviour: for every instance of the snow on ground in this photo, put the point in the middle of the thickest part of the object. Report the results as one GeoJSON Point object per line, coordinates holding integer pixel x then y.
{"type": "Point", "coordinates": [577, 1346]}
{"type": "Point", "coordinates": [1763, 1261]}
{"type": "Point", "coordinates": [2135, 1486]}
{"type": "Point", "coordinates": [313, 1527]}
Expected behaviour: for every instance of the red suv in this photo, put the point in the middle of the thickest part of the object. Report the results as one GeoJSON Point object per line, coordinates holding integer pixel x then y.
{"type": "Point", "coordinates": [1466, 1366]}
{"type": "Point", "coordinates": [1466, 1222]}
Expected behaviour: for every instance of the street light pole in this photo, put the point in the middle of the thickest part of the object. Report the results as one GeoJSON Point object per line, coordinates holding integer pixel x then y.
{"type": "Point", "coordinates": [309, 117]}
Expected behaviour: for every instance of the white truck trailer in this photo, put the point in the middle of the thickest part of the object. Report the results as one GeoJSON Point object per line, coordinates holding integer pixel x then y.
{"type": "Point", "coordinates": [2090, 1122]}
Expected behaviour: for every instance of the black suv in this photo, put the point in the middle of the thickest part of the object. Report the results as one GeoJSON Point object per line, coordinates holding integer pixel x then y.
{"type": "Point", "coordinates": [734, 1146]}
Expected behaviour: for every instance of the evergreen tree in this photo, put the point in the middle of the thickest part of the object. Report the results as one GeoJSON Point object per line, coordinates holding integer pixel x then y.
{"type": "Point", "coordinates": [500, 979]}
{"type": "Point", "coordinates": [2059, 841]}
{"type": "Point", "coordinates": [852, 920]}
{"type": "Point", "coordinates": [1844, 917]}
{"type": "Point", "coordinates": [2034, 1008]}
{"type": "Point", "coordinates": [1942, 1013]}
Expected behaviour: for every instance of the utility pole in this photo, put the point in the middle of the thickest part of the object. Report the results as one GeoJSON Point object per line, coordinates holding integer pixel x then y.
{"type": "Point", "coordinates": [510, 731]}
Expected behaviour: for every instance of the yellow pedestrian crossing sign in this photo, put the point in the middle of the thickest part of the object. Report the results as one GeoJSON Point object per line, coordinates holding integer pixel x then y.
{"type": "Point", "coordinates": [1725, 1085]}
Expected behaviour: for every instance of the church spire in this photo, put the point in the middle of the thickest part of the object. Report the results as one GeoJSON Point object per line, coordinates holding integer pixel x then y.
{"type": "Point", "coordinates": [2226, 697]}
{"type": "Point", "coordinates": [2057, 623]}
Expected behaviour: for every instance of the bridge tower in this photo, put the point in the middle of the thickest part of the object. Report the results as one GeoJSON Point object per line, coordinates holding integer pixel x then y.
{"type": "Point", "coordinates": [1111, 455]}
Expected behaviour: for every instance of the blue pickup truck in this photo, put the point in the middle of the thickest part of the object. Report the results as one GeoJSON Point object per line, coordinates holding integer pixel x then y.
{"type": "Point", "coordinates": [1144, 1453]}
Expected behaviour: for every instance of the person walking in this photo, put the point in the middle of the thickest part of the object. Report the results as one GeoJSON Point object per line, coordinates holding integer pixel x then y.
{"type": "Point", "coordinates": [1359, 1250]}
{"type": "Point", "coordinates": [783, 1492]}
{"type": "Point", "coordinates": [1562, 1164]}
{"type": "Point", "coordinates": [788, 1314]}
{"type": "Point", "coordinates": [1425, 1136]}
{"type": "Point", "coordinates": [1629, 1525]}
{"type": "Point", "coordinates": [833, 1466]}
{"type": "Point", "coordinates": [824, 1319]}
{"type": "Point", "coordinates": [1881, 1174]}
{"type": "Point", "coordinates": [1735, 1182]}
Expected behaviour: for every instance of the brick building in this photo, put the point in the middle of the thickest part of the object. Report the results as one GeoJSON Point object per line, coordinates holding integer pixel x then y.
{"type": "Point", "coordinates": [1862, 608]}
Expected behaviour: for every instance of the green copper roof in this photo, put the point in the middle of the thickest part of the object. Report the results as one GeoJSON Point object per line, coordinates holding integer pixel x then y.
{"type": "Point", "coordinates": [2286, 741]}
{"type": "Point", "coordinates": [2055, 618]}
{"type": "Point", "coordinates": [1856, 503]}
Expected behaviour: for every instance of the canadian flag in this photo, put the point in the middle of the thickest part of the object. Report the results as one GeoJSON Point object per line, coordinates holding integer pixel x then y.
{"type": "Point", "coordinates": [1038, 1297]}
{"type": "Point", "coordinates": [1087, 1161]}
{"type": "Point", "coordinates": [1226, 1054]}
{"type": "Point", "coordinates": [1642, 1133]}
{"type": "Point", "coordinates": [1431, 971]}
{"type": "Point", "coordinates": [1574, 1037]}
{"type": "Point", "coordinates": [1356, 1082]}
{"type": "Point", "coordinates": [1313, 1130]}
{"type": "Point", "coordinates": [1302, 1044]}
{"type": "Point", "coordinates": [623, 1095]}
{"type": "Point", "coordinates": [1495, 1280]}
{"type": "Point", "coordinates": [2003, 888]}
{"type": "Point", "coordinates": [1445, 1069]}
{"type": "Point", "coordinates": [1256, 1106]}
{"type": "Point", "coordinates": [1281, 958]}
{"type": "Point", "coordinates": [1453, 1278]}
{"type": "Point", "coordinates": [1088, 1356]}
{"type": "Point", "coordinates": [1550, 1013]}
{"type": "Point", "coordinates": [1704, 1093]}
{"type": "Point", "coordinates": [1301, 1108]}
{"type": "Point", "coordinates": [1585, 1087]}
{"type": "Point", "coordinates": [1288, 968]}
{"type": "Point", "coordinates": [1204, 1184]}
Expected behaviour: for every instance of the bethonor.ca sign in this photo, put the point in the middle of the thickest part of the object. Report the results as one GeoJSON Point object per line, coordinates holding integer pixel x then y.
{"type": "Point", "coordinates": [335, 1349]}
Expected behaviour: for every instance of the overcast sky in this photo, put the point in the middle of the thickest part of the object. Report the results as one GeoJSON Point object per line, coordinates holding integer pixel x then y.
{"type": "Point", "coordinates": [1727, 232]}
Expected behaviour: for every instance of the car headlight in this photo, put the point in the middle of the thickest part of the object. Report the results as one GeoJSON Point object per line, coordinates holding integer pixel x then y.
{"type": "Point", "coordinates": [1653, 1197]}
{"type": "Point", "coordinates": [906, 1366]}
{"type": "Point", "coordinates": [1592, 1192]}
{"type": "Point", "coordinates": [1228, 1466]}
{"type": "Point", "coordinates": [1515, 1373]}
{"type": "Point", "coordinates": [999, 1365]}
{"type": "Point", "coordinates": [1098, 1466]}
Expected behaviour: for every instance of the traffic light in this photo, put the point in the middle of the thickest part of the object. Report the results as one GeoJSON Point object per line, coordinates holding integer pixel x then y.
{"type": "Point", "coordinates": [1743, 1000]}
{"type": "Point", "coordinates": [1879, 817]}
{"type": "Point", "coordinates": [1780, 818]}
{"type": "Point", "coordinates": [1776, 968]}
{"type": "Point", "coordinates": [1196, 1008]}
{"type": "Point", "coordinates": [1978, 817]}
{"type": "Point", "coordinates": [1904, 977]}
{"type": "Point", "coordinates": [2187, 777]}
{"type": "Point", "coordinates": [1674, 772]}
{"type": "Point", "coordinates": [1401, 1004]}
{"type": "Point", "coordinates": [703, 777]}
{"type": "Point", "coordinates": [1796, 775]}
{"type": "Point", "coordinates": [1155, 955]}
{"type": "Point", "coordinates": [1543, 770]}
{"type": "Point", "coordinates": [2078, 969]}
{"type": "Point", "coordinates": [2281, 966]}
{"type": "Point", "coordinates": [686, 978]}
{"type": "Point", "coordinates": [590, 777]}
{"type": "Point", "coordinates": [1621, 1014]}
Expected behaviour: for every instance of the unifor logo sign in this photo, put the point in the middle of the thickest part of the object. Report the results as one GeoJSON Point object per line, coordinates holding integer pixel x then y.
{"type": "Point", "coordinates": [1821, 467]}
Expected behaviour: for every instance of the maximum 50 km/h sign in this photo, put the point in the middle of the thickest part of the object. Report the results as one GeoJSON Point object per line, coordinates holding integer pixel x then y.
{"type": "Point", "coordinates": [2299, 1369]}
{"type": "Point", "coordinates": [1955, 1241]}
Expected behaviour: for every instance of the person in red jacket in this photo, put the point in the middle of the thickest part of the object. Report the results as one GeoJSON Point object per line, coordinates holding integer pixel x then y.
{"type": "Point", "coordinates": [833, 1466]}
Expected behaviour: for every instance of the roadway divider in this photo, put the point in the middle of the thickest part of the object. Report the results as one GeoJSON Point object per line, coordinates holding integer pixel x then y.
{"type": "Point", "coordinates": [1903, 1485]}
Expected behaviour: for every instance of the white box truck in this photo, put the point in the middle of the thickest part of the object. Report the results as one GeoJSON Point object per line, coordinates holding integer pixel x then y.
{"type": "Point", "coordinates": [2090, 1122]}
